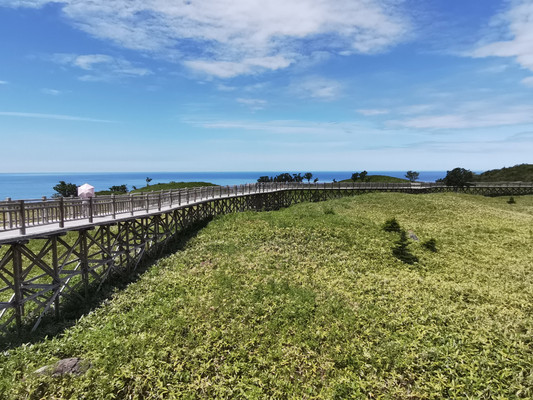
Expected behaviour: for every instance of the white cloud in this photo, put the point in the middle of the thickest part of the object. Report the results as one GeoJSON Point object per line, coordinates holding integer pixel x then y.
{"type": "Point", "coordinates": [254, 104]}
{"type": "Point", "coordinates": [101, 67]}
{"type": "Point", "coordinates": [416, 109]}
{"type": "Point", "coordinates": [226, 38]}
{"type": "Point", "coordinates": [317, 87]}
{"type": "Point", "coordinates": [3, 82]}
{"type": "Point", "coordinates": [50, 116]}
{"type": "Point", "coordinates": [372, 112]}
{"type": "Point", "coordinates": [284, 126]}
{"type": "Point", "coordinates": [52, 92]}
{"type": "Point", "coordinates": [528, 81]}
{"type": "Point", "coordinates": [519, 23]}
{"type": "Point", "coordinates": [88, 61]}
{"type": "Point", "coordinates": [470, 119]}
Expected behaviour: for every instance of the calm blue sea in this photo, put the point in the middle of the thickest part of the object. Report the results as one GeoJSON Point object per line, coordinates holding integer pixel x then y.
{"type": "Point", "coordinates": [36, 185]}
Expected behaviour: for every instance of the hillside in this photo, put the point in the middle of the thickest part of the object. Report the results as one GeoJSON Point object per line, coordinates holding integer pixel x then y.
{"type": "Point", "coordinates": [379, 178]}
{"type": "Point", "coordinates": [522, 172]}
{"type": "Point", "coordinates": [171, 185]}
{"type": "Point", "coordinates": [309, 302]}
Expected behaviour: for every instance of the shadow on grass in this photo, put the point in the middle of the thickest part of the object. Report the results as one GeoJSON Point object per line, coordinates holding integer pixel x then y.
{"type": "Point", "coordinates": [74, 308]}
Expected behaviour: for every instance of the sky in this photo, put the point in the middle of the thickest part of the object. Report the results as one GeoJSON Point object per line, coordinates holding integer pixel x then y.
{"type": "Point", "coordinates": [265, 85]}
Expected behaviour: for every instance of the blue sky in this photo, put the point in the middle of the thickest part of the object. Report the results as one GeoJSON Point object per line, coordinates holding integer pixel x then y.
{"type": "Point", "coordinates": [236, 85]}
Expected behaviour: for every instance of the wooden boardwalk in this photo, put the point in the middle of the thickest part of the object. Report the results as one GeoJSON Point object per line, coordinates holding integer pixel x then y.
{"type": "Point", "coordinates": [58, 250]}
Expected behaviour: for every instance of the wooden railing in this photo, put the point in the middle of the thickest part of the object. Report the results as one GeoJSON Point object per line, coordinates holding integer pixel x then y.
{"type": "Point", "coordinates": [22, 214]}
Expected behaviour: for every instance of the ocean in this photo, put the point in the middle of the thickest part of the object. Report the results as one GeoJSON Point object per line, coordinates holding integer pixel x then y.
{"type": "Point", "coordinates": [35, 185]}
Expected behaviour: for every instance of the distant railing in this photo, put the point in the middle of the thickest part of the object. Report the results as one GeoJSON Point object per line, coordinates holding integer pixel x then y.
{"type": "Point", "coordinates": [22, 214]}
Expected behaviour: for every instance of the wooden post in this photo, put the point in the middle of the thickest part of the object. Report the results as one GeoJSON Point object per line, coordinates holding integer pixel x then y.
{"type": "Point", "coordinates": [179, 197]}
{"type": "Point", "coordinates": [61, 212]}
{"type": "Point", "coordinates": [113, 206]}
{"type": "Point", "coordinates": [90, 210]}
{"type": "Point", "coordinates": [170, 194]}
{"type": "Point", "coordinates": [9, 211]}
{"type": "Point", "coordinates": [132, 204]}
{"type": "Point", "coordinates": [147, 203]}
{"type": "Point", "coordinates": [84, 262]}
{"type": "Point", "coordinates": [159, 201]}
{"type": "Point", "coordinates": [22, 217]}
{"type": "Point", "coordinates": [45, 211]}
{"type": "Point", "coordinates": [187, 195]}
{"type": "Point", "coordinates": [56, 277]}
{"type": "Point", "coordinates": [17, 284]}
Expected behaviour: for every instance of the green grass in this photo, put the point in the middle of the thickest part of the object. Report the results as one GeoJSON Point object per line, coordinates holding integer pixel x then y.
{"type": "Point", "coordinates": [171, 185]}
{"type": "Point", "coordinates": [521, 172]}
{"type": "Point", "coordinates": [380, 178]}
{"type": "Point", "coordinates": [309, 302]}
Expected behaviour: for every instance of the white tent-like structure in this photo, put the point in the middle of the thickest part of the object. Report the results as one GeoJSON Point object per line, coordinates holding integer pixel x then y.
{"type": "Point", "coordinates": [85, 191]}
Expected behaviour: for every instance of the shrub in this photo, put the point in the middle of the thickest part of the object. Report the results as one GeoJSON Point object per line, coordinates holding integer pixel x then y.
{"type": "Point", "coordinates": [511, 200]}
{"type": "Point", "coordinates": [66, 189]}
{"type": "Point", "coordinates": [431, 245]}
{"type": "Point", "coordinates": [401, 250]}
{"type": "Point", "coordinates": [391, 225]}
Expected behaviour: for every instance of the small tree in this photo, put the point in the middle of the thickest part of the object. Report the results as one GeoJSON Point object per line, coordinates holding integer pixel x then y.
{"type": "Point", "coordinates": [316, 180]}
{"type": "Point", "coordinates": [391, 225]}
{"type": "Point", "coordinates": [355, 176]}
{"type": "Point", "coordinates": [363, 175]}
{"type": "Point", "coordinates": [412, 176]}
{"type": "Point", "coordinates": [264, 179]}
{"type": "Point", "coordinates": [119, 189]}
{"type": "Point", "coordinates": [458, 177]}
{"type": "Point", "coordinates": [148, 180]}
{"type": "Point", "coordinates": [308, 176]}
{"type": "Point", "coordinates": [401, 250]}
{"type": "Point", "coordinates": [66, 189]}
{"type": "Point", "coordinates": [431, 245]}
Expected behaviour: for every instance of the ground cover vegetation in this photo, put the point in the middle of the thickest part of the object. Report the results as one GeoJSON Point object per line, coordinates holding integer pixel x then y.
{"type": "Point", "coordinates": [310, 302]}
{"type": "Point", "coordinates": [171, 185]}
{"type": "Point", "coordinates": [521, 172]}
{"type": "Point", "coordinates": [377, 178]}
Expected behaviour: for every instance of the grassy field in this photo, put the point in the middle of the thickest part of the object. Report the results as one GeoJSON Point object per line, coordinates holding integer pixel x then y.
{"type": "Point", "coordinates": [380, 178]}
{"type": "Point", "coordinates": [309, 302]}
{"type": "Point", "coordinates": [171, 185]}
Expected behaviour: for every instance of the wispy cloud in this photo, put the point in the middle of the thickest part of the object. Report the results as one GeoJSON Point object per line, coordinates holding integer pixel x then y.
{"type": "Point", "coordinates": [3, 82]}
{"type": "Point", "coordinates": [51, 116]}
{"type": "Point", "coordinates": [466, 120]}
{"type": "Point", "coordinates": [416, 109]}
{"type": "Point", "coordinates": [51, 92]}
{"type": "Point", "coordinates": [100, 67]}
{"type": "Point", "coordinates": [283, 126]}
{"type": "Point", "coordinates": [516, 41]}
{"type": "Point", "coordinates": [226, 38]}
{"type": "Point", "coordinates": [528, 81]}
{"type": "Point", "coordinates": [372, 111]}
{"type": "Point", "coordinates": [317, 87]}
{"type": "Point", "coordinates": [254, 104]}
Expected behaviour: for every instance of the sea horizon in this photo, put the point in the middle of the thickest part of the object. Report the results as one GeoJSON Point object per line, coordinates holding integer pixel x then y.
{"type": "Point", "coordinates": [34, 185]}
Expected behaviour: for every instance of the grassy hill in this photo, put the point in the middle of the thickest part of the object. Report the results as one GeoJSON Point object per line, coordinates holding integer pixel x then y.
{"type": "Point", "coordinates": [159, 186]}
{"type": "Point", "coordinates": [380, 178]}
{"type": "Point", "coordinates": [171, 185]}
{"type": "Point", "coordinates": [309, 302]}
{"type": "Point", "coordinates": [522, 172]}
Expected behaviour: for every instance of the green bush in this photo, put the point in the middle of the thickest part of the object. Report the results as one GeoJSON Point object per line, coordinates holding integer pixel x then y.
{"type": "Point", "coordinates": [511, 200]}
{"type": "Point", "coordinates": [401, 250]}
{"type": "Point", "coordinates": [391, 225]}
{"type": "Point", "coordinates": [431, 245]}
